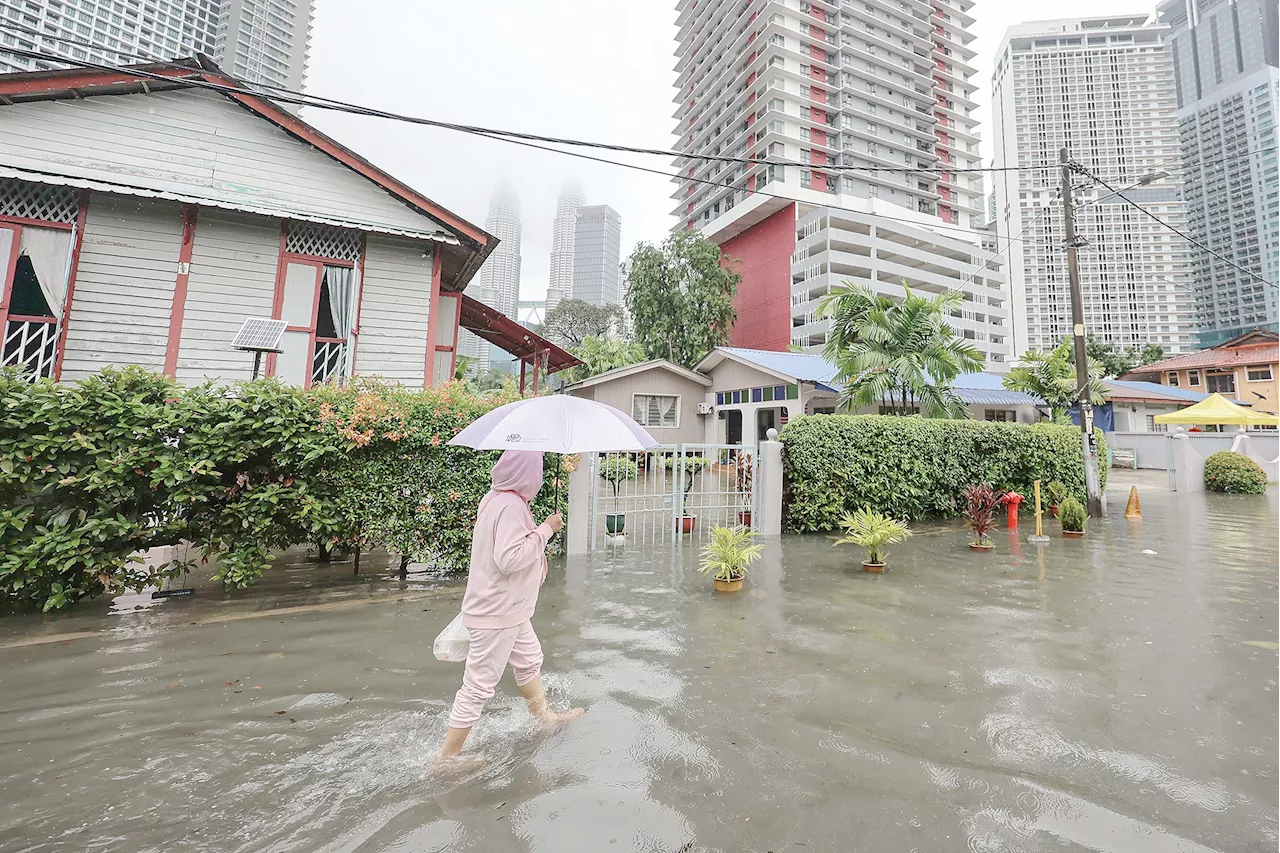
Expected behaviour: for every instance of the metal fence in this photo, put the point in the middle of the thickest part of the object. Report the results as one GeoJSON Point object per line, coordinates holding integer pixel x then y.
{"type": "Point", "coordinates": [672, 492]}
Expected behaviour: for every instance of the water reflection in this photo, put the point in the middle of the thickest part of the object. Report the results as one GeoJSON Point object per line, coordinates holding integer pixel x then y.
{"type": "Point", "coordinates": [1113, 694]}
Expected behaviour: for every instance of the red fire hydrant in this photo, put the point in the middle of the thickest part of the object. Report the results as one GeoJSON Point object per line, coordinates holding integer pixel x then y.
{"type": "Point", "coordinates": [1011, 502]}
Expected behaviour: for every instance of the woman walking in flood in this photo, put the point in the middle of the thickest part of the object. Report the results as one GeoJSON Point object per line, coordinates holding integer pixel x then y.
{"type": "Point", "coordinates": [507, 568]}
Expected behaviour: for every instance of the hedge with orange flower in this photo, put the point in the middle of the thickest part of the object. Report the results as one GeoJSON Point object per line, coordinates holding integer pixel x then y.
{"type": "Point", "coordinates": [93, 474]}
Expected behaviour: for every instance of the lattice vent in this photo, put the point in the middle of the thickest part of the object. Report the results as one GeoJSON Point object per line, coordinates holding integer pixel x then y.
{"type": "Point", "coordinates": [38, 201]}
{"type": "Point", "coordinates": [323, 241]}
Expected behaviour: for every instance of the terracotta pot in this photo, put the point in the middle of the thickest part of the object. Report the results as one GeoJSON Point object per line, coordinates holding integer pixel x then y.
{"type": "Point", "coordinates": [977, 547]}
{"type": "Point", "coordinates": [728, 586]}
{"type": "Point", "coordinates": [744, 518]}
{"type": "Point", "coordinates": [1073, 534]}
{"type": "Point", "coordinates": [687, 523]}
{"type": "Point", "coordinates": [1053, 510]}
{"type": "Point", "coordinates": [878, 568]}
{"type": "Point", "coordinates": [615, 522]}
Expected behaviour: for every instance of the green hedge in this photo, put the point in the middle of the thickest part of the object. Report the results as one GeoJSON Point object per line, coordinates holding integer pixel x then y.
{"type": "Point", "coordinates": [914, 467]}
{"type": "Point", "coordinates": [93, 472]}
{"type": "Point", "coordinates": [1234, 473]}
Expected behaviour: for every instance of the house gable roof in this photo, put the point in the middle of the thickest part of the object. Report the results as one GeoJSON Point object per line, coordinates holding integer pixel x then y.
{"type": "Point", "coordinates": [1256, 347]}
{"type": "Point", "coordinates": [203, 153]}
{"type": "Point", "coordinates": [791, 367]}
{"type": "Point", "coordinates": [642, 367]}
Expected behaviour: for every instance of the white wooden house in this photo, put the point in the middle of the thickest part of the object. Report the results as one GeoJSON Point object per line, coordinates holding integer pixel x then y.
{"type": "Point", "coordinates": [143, 220]}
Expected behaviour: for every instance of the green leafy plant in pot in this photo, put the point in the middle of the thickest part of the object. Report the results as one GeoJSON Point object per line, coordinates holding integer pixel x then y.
{"type": "Point", "coordinates": [980, 504]}
{"type": "Point", "coordinates": [728, 556]}
{"type": "Point", "coordinates": [615, 470]}
{"type": "Point", "coordinates": [691, 465]}
{"type": "Point", "coordinates": [1057, 492]}
{"type": "Point", "coordinates": [869, 529]}
{"type": "Point", "coordinates": [1073, 518]}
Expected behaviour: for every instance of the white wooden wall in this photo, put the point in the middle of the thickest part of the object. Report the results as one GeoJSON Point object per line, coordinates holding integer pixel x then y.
{"type": "Point", "coordinates": [395, 309]}
{"type": "Point", "coordinates": [124, 286]}
{"type": "Point", "coordinates": [233, 275]}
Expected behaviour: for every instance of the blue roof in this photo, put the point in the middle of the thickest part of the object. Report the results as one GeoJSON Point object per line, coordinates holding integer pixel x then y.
{"type": "Point", "coordinates": [1155, 389]}
{"type": "Point", "coordinates": [983, 389]}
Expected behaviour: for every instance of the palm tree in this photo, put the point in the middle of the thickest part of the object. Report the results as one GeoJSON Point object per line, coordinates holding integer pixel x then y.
{"type": "Point", "coordinates": [898, 353]}
{"type": "Point", "coordinates": [1051, 376]}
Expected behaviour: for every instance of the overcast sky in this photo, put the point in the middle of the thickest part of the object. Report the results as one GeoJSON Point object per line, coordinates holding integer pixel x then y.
{"type": "Point", "coordinates": [599, 70]}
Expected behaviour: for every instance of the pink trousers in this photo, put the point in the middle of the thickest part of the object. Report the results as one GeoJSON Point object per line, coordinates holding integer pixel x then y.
{"type": "Point", "coordinates": [491, 650]}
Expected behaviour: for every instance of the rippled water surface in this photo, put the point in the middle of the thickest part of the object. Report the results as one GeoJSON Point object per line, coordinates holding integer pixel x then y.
{"type": "Point", "coordinates": [1114, 694]}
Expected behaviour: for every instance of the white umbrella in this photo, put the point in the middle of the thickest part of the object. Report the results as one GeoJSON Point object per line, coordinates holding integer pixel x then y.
{"type": "Point", "coordinates": [556, 424]}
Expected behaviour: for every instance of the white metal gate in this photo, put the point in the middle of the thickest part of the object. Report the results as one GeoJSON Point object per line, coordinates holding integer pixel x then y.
{"type": "Point", "coordinates": [672, 493]}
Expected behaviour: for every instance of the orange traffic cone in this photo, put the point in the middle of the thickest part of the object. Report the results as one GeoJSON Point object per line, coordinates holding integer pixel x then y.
{"type": "Point", "coordinates": [1133, 509]}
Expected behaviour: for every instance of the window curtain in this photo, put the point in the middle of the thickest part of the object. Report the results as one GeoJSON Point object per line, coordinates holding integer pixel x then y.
{"type": "Point", "coordinates": [339, 281]}
{"type": "Point", "coordinates": [48, 250]}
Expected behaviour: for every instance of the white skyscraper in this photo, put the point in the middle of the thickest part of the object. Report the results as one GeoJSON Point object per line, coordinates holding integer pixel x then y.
{"type": "Point", "coordinates": [563, 231]}
{"type": "Point", "coordinates": [863, 112]}
{"type": "Point", "coordinates": [1104, 88]}
{"type": "Point", "coordinates": [597, 251]}
{"type": "Point", "coordinates": [261, 41]}
{"type": "Point", "coordinates": [498, 284]}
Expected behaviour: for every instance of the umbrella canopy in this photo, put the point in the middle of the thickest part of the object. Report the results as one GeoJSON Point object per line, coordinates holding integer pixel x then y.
{"type": "Point", "coordinates": [1216, 409]}
{"type": "Point", "coordinates": [556, 424]}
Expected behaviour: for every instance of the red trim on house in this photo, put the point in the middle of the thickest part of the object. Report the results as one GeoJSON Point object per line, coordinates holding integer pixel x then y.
{"type": "Point", "coordinates": [28, 318]}
{"type": "Point", "coordinates": [76, 245]}
{"type": "Point", "coordinates": [6, 283]}
{"type": "Point", "coordinates": [277, 295]}
{"type": "Point", "coordinates": [42, 223]}
{"type": "Point", "coordinates": [355, 324]}
{"type": "Point", "coordinates": [433, 312]}
{"type": "Point", "coordinates": [329, 262]}
{"type": "Point", "coordinates": [81, 78]}
{"type": "Point", "coordinates": [180, 290]}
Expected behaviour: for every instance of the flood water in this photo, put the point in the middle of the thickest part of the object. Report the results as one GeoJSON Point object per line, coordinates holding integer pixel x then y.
{"type": "Point", "coordinates": [1112, 694]}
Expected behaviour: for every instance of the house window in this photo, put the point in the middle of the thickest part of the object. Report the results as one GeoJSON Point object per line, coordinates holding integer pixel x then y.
{"type": "Point", "coordinates": [33, 285]}
{"type": "Point", "coordinates": [1172, 377]}
{"type": "Point", "coordinates": [1152, 426]}
{"type": "Point", "coordinates": [1258, 372]}
{"type": "Point", "coordinates": [656, 410]}
{"type": "Point", "coordinates": [1219, 382]}
{"type": "Point", "coordinates": [1002, 416]}
{"type": "Point", "coordinates": [317, 299]}
{"type": "Point", "coordinates": [1193, 378]}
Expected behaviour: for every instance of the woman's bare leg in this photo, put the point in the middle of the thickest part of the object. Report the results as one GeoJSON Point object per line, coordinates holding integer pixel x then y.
{"type": "Point", "coordinates": [453, 741]}
{"type": "Point", "coordinates": [537, 699]}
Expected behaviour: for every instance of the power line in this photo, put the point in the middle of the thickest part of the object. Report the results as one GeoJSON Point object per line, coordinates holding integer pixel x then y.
{"type": "Point", "coordinates": [1120, 194]}
{"type": "Point", "coordinates": [284, 95]}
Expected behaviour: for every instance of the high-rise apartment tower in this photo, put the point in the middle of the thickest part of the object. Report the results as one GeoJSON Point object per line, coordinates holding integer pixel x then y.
{"type": "Point", "coordinates": [1225, 69]}
{"type": "Point", "coordinates": [260, 41]}
{"type": "Point", "coordinates": [597, 251]}
{"type": "Point", "coordinates": [860, 113]}
{"type": "Point", "coordinates": [1104, 88]}
{"type": "Point", "coordinates": [498, 284]}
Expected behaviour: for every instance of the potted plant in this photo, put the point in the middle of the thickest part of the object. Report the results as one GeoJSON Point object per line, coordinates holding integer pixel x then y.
{"type": "Point", "coordinates": [1073, 517]}
{"type": "Point", "coordinates": [742, 478]}
{"type": "Point", "coordinates": [615, 470]}
{"type": "Point", "coordinates": [1056, 490]}
{"type": "Point", "coordinates": [692, 465]}
{"type": "Point", "coordinates": [728, 555]}
{"type": "Point", "coordinates": [869, 529]}
{"type": "Point", "coordinates": [980, 503]}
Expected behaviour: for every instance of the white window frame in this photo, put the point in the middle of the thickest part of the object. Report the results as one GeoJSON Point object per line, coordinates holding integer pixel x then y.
{"type": "Point", "coordinates": [644, 423]}
{"type": "Point", "coordinates": [1193, 378]}
{"type": "Point", "coordinates": [1249, 368]}
{"type": "Point", "coordinates": [1171, 378]}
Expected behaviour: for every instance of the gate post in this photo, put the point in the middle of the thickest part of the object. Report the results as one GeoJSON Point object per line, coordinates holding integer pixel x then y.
{"type": "Point", "coordinates": [581, 519]}
{"type": "Point", "coordinates": [770, 485]}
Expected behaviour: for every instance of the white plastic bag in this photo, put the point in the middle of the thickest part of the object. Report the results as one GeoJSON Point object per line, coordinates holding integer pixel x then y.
{"type": "Point", "coordinates": [453, 643]}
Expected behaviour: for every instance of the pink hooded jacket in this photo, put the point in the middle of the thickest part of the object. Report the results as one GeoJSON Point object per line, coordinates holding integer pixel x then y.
{"type": "Point", "coordinates": [507, 560]}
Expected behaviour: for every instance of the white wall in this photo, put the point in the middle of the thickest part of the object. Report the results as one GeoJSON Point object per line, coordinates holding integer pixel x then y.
{"type": "Point", "coordinates": [394, 310]}
{"type": "Point", "coordinates": [124, 285]}
{"type": "Point", "coordinates": [233, 276]}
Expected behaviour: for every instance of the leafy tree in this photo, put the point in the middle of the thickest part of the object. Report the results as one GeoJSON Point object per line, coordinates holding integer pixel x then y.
{"type": "Point", "coordinates": [491, 380]}
{"type": "Point", "coordinates": [573, 321]}
{"type": "Point", "coordinates": [1051, 376]}
{"type": "Point", "coordinates": [680, 296]}
{"type": "Point", "coordinates": [899, 353]}
{"type": "Point", "coordinates": [600, 355]}
{"type": "Point", "coordinates": [1114, 361]}
{"type": "Point", "coordinates": [461, 367]}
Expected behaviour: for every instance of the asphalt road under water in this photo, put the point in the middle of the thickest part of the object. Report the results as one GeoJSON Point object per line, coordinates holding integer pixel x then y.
{"type": "Point", "coordinates": [1113, 694]}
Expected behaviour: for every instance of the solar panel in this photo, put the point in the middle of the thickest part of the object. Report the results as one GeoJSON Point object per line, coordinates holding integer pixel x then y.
{"type": "Point", "coordinates": [260, 335]}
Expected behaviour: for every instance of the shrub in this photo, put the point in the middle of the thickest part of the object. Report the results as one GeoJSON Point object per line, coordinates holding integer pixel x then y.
{"type": "Point", "coordinates": [869, 529]}
{"type": "Point", "coordinates": [615, 470]}
{"type": "Point", "coordinates": [92, 473]}
{"type": "Point", "coordinates": [730, 553]}
{"type": "Point", "coordinates": [915, 468]}
{"type": "Point", "coordinates": [1234, 473]}
{"type": "Point", "coordinates": [1057, 491]}
{"type": "Point", "coordinates": [980, 502]}
{"type": "Point", "coordinates": [1072, 515]}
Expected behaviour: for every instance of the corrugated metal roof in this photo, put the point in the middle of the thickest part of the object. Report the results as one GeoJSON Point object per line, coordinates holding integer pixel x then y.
{"type": "Point", "coordinates": [1134, 389]}
{"type": "Point", "coordinates": [993, 397]}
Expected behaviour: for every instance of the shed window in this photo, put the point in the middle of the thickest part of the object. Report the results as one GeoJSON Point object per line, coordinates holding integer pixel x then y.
{"type": "Point", "coordinates": [656, 410]}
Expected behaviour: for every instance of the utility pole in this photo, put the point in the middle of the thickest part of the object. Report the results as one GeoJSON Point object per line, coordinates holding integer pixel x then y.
{"type": "Point", "coordinates": [1088, 441]}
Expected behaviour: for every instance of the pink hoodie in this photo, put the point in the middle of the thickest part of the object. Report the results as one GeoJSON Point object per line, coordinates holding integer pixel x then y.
{"type": "Point", "coordinates": [507, 560]}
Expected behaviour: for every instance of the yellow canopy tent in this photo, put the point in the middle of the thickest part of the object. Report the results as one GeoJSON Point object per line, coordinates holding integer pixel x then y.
{"type": "Point", "coordinates": [1216, 409]}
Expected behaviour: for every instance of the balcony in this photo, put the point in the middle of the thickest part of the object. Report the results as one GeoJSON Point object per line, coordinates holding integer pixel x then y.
{"type": "Point", "coordinates": [30, 343]}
